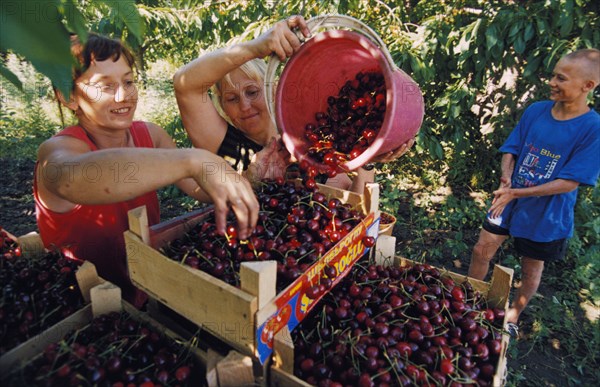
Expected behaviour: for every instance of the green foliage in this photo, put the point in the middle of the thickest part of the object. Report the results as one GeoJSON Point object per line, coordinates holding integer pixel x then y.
{"type": "Point", "coordinates": [434, 217]}
{"type": "Point", "coordinates": [42, 36]}
{"type": "Point", "coordinates": [585, 244]}
{"type": "Point", "coordinates": [28, 116]}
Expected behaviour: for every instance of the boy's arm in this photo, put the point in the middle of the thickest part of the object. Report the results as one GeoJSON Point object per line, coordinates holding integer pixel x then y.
{"type": "Point", "coordinates": [507, 166]}
{"type": "Point", "coordinates": [503, 196]}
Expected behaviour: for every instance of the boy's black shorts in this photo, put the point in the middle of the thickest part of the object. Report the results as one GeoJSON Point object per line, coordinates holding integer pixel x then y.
{"type": "Point", "coordinates": [542, 251]}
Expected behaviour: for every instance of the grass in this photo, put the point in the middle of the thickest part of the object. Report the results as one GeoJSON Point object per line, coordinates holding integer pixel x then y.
{"type": "Point", "coordinates": [437, 223]}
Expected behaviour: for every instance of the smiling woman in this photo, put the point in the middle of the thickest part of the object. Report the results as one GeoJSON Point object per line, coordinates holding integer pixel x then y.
{"type": "Point", "coordinates": [90, 175]}
{"type": "Point", "coordinates": [223, 106]}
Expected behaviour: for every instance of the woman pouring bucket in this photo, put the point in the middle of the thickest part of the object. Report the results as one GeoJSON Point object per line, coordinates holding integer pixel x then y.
{"type": "Point", "coordinates": [225, 97]}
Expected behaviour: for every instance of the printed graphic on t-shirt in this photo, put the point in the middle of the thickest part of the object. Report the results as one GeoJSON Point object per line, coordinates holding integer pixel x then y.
{"type": "Point", "coordinates": [537, 167]}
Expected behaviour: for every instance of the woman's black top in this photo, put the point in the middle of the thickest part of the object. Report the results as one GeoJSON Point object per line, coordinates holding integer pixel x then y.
{"type": "Point", "coordinates": [238, 149]}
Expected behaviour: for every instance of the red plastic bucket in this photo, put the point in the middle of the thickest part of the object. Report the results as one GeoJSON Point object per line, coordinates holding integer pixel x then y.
{"type": "Point", "coordinates": [320, 68]}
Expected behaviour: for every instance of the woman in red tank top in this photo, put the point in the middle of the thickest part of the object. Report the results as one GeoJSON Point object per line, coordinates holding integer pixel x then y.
{"type": "Point", "coordinates": [89, 175]}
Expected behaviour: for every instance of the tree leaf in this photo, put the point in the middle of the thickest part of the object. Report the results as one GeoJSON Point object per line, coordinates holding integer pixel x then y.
{"type": "Point", "coordinates": [74, 19]}
{"type": "Point", "coordinates": [39, 37]}
{"type": "Point", "coordinates": [514, 30]}
{"type": "Point", "coordinates": [491, 37]}
{"type": "Point", "coordinates": [566, 24]}
{"type": "Point", "coordinates": [11, 77]}
{"type": "Point", "coordinates": [519, 45]}
{"type": "Point", "coordinates": [532, 65]}
{"type": "Point", "coordinates": [127, 12]}
{"type": "Point", "coordinates": [529, 31]}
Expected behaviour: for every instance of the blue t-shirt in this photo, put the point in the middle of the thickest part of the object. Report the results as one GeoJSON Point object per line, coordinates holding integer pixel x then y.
{"type": "Point", "coordinates": [547, 149]}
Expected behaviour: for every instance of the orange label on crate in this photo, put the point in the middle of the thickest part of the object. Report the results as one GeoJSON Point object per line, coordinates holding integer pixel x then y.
{"type": "Point", "coordinates": [342, 257]}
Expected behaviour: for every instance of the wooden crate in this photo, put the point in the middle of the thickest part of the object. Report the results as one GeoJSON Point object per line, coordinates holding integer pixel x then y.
{"type": "Point", "coordinates": [246, 318]}
{"type": "Point", "coordinates": [87, 278]}
{"type": "Point", "coordinates": [496, 291]}
{"type": "Point", "coordinates": [104, 301]}
{"type": "Point", "coordinates": [31, 244]}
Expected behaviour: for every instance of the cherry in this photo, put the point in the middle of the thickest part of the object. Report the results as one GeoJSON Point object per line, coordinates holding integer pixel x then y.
{"type": "Point", "coordinates": [182, 373]}
{"type": "Point", "coordinates": [458, 294]}
{"type": "Point", "coordinates": [369, 241]}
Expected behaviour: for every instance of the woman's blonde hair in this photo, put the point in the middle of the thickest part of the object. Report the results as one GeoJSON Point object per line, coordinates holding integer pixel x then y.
{"type": "Point", "coordinates": [254, 69]}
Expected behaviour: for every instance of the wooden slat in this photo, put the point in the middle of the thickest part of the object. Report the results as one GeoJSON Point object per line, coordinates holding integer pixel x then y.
{"type": "Point", "coordinates": [105, 298]}
{"type": "Point", "coordinates": [20, 355]}
{"type": "Point", "coordinates": [219, 308]}
{"type": "Point", "coordinates": [371, 199]}
{"type": "Point", "coordinates": [161, 234]}
{"type": "Point", "coordinates": [500, 286]}
{"type": "Point", "coordinates": [283, 349]}
{"type": "Point", "coordinates": [352, 198]}
{"type": "Point", "coordinates": [281, 378]}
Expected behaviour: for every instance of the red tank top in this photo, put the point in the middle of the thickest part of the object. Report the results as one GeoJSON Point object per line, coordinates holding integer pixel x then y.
{"type": "Point", "coordinates": [95, 232]}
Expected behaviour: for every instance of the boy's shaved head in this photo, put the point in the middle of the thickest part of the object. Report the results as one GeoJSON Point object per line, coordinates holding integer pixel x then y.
{"type": "Point", "coordinates": [589, 60]}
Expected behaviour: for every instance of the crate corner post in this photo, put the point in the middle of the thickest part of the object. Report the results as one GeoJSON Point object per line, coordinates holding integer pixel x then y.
{"type": "Point", "coordinates": [138, 223]}
{"type": "Point", "coordinates": [259, 279]}
{"type": "Point", "coordinates": [371, 196]}
{"type": "Point", "coordinates": [500, 286]}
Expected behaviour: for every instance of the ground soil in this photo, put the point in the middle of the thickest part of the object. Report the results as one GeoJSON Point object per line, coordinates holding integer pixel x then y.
{"type": "Point", "coordinates": [532, 368]}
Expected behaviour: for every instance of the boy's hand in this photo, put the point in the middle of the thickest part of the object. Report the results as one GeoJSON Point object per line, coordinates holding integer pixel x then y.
{"type": "Point", "coordinates": [502, 197]}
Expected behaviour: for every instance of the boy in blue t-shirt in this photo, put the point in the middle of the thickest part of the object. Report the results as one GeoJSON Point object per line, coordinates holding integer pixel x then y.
{"type": "Point", "coordinates": [554, 148]}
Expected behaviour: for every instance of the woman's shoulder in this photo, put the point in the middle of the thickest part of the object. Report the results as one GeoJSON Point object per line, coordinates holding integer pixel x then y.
{"type": "Point", "coordinates": [158, 135]}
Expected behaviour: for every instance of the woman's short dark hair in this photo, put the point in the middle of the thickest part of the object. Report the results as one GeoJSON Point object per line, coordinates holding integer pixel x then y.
{"type": "Point", "coordinates": [97, 48]}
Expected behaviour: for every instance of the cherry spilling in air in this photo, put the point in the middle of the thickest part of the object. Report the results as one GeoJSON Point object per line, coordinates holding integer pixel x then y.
{"type": "Point", "coordinates": [348, 127]}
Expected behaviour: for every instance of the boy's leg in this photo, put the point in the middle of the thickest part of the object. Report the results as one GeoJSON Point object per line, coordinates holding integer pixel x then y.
{"type": "Point", "coordinates": [483, 252]}
{"type": "Point", "coordinates": [531, 275]}
{"type": "Point", "coordinates": [533, 254]}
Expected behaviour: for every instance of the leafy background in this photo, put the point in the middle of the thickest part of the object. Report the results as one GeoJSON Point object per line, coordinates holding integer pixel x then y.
{"type": "Point", "coordinates": [479, 63]}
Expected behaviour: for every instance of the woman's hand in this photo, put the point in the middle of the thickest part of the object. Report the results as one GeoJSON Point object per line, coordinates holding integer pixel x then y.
{"type": "Point", "coordinates": [269, 163]}
{"type": "Point", "coordinates": [228, 189]}
{"type": "Point", "coordinates": [281, 39]}
{"type": "Point", "coordinates": [396, 153]}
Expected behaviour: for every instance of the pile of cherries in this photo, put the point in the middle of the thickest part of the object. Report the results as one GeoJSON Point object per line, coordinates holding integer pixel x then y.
{"type": "Point", "coordinates": [296, 226]}
{"type": "Point", "coordinates": [350, 124]}
{"type": "Point", "coordinates": [385, 218]}
{"type": "Point", "coordinates": [399, 326]}
{"type": "Point", "coordinates": [36, 293]}
{"type": "Point", "coordinates": [113, 350]}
